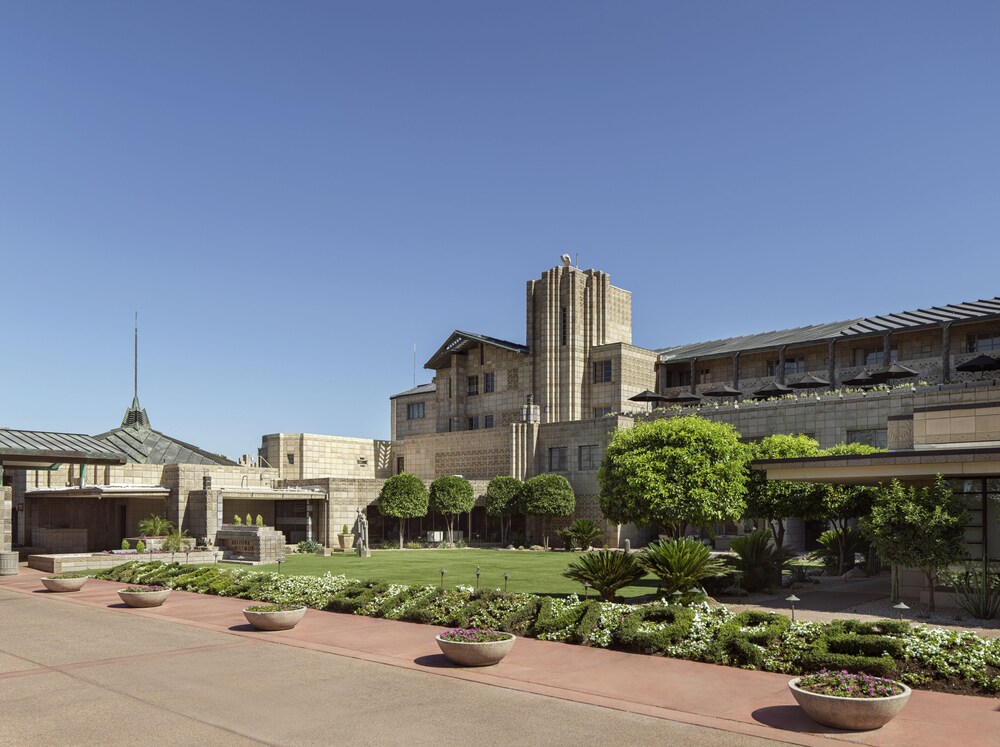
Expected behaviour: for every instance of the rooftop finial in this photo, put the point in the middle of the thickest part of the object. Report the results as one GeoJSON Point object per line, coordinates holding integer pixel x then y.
{"type": "Point", "coordinates": [135, 415]}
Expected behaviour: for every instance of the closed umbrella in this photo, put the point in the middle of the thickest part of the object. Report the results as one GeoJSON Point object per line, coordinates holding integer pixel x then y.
{"type": "Point", "coordinates": [810, 382]}
{"type": "Point", "coordinates": [774, 389]}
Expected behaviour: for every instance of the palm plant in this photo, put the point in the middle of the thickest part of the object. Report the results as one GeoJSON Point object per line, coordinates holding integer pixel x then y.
{"type": "Point", "coordinates": [585, 532]}
{"type": "Point", "coordinates": [606, 571]}
{"type": "Point", "coordinates": [759, 559]}
{"type": "Point", "coordinates": [155, 526]}
{"type": "Point", "coordinates": [681, 564]}
{"type": "Point", "coordinates": [837, 548]}
{"type": "Point", "coordinates": [175, 540]}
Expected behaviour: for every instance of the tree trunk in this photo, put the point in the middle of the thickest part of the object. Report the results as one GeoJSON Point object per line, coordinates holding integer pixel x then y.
{"type": "Point", "coordinates": [401, 520]}
{"type": "Point", "coordinates": [930, 575]}
{"type": "Point", "coordinates": [894, 591]}
{"type": "Point", "coordinates": [545, 532]}
{"type": "Point", "coordinates": [451, 539]}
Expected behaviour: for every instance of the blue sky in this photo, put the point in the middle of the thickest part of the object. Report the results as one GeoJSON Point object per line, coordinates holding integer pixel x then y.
{"type": "Point", "coordinates": [292, 195]}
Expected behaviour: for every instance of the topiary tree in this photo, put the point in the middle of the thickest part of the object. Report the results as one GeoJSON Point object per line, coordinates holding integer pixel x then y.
{"type": "Point", "coordinates": [403, 496]}
{"type": "Point", "coordinates": [237, 520]}
{"type": "Point", "coordinates": [249, 520]}
{"type": "Point", "coordinates": [260, 520]}
{"type": "Point", "coordinates": [450, 496]}
{"type": "Point", "coordinates": [502, 500]}
{"type": "Point", "coordinates": [140, 546]}
{"type": "Point", "coordinates": [674, 472]}
{"type": "Point", "coordinates": [919, 527]}
{"type": "Point", "coordinates": [839, 504]}
{"type": "Point", "coordinates": [548, 495]}
{"type": "Point", "coordinates": [776, 500]}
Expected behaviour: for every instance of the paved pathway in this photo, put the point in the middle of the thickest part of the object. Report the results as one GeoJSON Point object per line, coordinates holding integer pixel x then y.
{"type": "Point", "coordinates": [720, 704]}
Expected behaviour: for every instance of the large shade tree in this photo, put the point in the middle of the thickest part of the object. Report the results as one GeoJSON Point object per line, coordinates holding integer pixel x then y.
{"type": "Point", "coordinates": [673, 473]}
{"type": "Point", "coordinates": [503, 501]}
{"type": "Point", "coordinates": [776, 500]}
{"type": "Point", "coordinates": [917, 527]}
{"type": "Point", "coordinates": [548, 495]}
{"type": "Point", "coordinates": [403, 496]}
{"type": "Point", "coordinates": [450, 496]}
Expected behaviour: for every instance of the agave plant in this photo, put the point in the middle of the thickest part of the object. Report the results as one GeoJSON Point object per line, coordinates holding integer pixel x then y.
{"type": "Point", "coordinates": [585, 532]}
{"type": "Point", "coordinates": [681, 564]}
{"type": "Point", "coordinates": [606, 571]}
{"type": "Point", "coordinates": [759, 559]}
{"type": "Point", "coordinates": [155, 526]}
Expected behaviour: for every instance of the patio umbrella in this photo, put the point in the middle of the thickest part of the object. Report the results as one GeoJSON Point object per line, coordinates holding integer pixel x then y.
{"type": "Point", "coordinates": [981, 363]}
{"type": "Point", "coordinates": [723, 390]}
{"type": "Point", "coordinates": [774, 389]}
{"type": "Point", "coordinates": [893, 372]}
{"type": "Point", "coordinates": [647, 396]}
{"type": "Point", "coordinates": [810, 382]}
{"type": "Point", "coordinates": [862, 379]}
{"type": "Point", "coordinates": [683, 398]}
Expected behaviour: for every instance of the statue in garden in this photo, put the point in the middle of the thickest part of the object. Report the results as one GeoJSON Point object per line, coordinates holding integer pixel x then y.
{"type": "Point", "coordinates": [362, 546]}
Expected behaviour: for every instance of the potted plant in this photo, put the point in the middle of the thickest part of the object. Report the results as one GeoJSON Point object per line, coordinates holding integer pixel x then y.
{"type": "Point", "coordinates": [345, 538]}
{"type": "Point", "coordinates": [475, 647]}
{"type": "Point", "coordinates": [849, 701]}
{"type": "Point", "coordinates": [144, 596]}
{"type": "Point", "coordinates": [64, 582]}
{"type": "Point", "coordinates": [274, 616]}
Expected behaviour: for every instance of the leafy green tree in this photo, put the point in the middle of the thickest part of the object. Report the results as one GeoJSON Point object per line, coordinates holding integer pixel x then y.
{"type": "Point", "coordinates": [919, 527]}
{"type": "Point", "coordinates": [776, 500]}
{"type": "Point", "coordinates": [674, 472]}
{"type": "Point", "coordinates": [450, 496]}
{"type": "Point", "coordinates": [840, 503]}
{"type": "Point", "coordinates": [503, 501]}
{"type": "Point", "coordinates": [548, 495]}
{"type": "Point", "coordinates": [606, 571]}
{"type": "Point", "coordinates": [403, 496]}
{"type": "Point", "coordinates": [154, 526]}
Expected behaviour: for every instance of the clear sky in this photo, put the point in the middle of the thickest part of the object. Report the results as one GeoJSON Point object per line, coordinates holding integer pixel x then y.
{"type": "Point", "coordinates": [292, 195]}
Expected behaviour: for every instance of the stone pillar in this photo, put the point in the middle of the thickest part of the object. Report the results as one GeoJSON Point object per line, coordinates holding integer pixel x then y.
{"type": "Point", "coordinates": [781, 365]}
{"type": "Point", "coordinates": [694, 376]}
{"type": "Point", "coordinates": [736, 370]}
{"type": "Point", "coordinates": [831, 371]}
{"type": "Point", "coordinates": [887, 349]}
{"type": "Point", "coordinates": [309, 520]}
{"type": "Point", "coordinates": [8, 558]}
{"type": "Point", "coordinates": [945, 352]}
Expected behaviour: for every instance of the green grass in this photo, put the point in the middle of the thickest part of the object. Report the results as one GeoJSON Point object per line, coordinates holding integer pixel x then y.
{"type": "Point", "coordinates": [533, 572]}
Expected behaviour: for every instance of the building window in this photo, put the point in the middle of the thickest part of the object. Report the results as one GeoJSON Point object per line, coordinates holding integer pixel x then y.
{"type": "Point", "coordinates": [557, 459]}
{"type": "Point", "coordinates": [589, 457]}
{"type": "Point", "coordinates": [563, 324]}
{"type": "Point", "coordinates": [291, 458]}
{"type": "Point", "coordinates": [705, 376]}
{"type": "Point", "coordinates": [474, 423]}
{"type": "Point", "coordinates": [878, 438]}
{"type": "Point", "coordinates": [668, 379]}
{"type": "Point", "coordinates": [982, 342]}
{"type": "Point", "coordinates": [602, 371]}
{"type": "Point", "coordinates": [473, 385]}
{"type": "Point", "coordinates": [792, 366]}
{"type": "Point", "coordinates": [600, 412]}
{"type": "Point", "coordinates": [399, 465]}
{"type": "Point", "coordinates": [488, 421]}
{"type": "Point", "coordinates": [489, 382]}
{"type": "Point", "coordinates": [874, 356]}
{"type": "Point", "coordinates": [684, 378]}
{"type": "Point", "coordinates": [415, 411]}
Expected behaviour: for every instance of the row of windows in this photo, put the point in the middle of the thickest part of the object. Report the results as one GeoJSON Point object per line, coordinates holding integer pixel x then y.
{"type": "Point", "coordinates": [982, 342]}
{"type": "Point", "coordinates": [588, 458]}
{"type": "Point", "coordinates": [489, 383]}
{"type": "Point", "coordinates": [473, 422]}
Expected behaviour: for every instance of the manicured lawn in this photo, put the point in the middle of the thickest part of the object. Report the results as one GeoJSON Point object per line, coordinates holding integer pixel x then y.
{"type": "Point", "coordinates": [535, 572]}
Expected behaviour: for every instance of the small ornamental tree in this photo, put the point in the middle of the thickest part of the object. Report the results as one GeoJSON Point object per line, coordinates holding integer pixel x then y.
{"type": "Point", "coordinates": [502, 500]}
{"type": "Point", "coordinates": [776, 500]}
{"type": "Point", "coordinates": [840, 503]}
{"type": "Point", "coordinates": [403, 496]}
{"type": "Point", "coordinates": [674, 472]}
{"type": "Point", "coordinates": [548, 495]}
{"type": "Point", "coordinates": [450, 496]}
{"type": "Point", "coordinates": [917, 527]}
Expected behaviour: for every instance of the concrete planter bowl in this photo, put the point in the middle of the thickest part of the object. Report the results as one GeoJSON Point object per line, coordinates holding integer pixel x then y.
{"type": "Point", "coordinates": [855, 714]}
{"type": "Point", "coordinates": [134, 598]}
{"type": "Point", "coordinates": [64, 584]}
{"type": "Point", "coordinates": [274, 620]}
{"type": "Point", "coordinates": [476, 654]}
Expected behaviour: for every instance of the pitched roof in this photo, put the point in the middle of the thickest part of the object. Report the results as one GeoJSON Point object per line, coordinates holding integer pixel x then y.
{"type": "Point", "coordinates": [818, 333]}
{"type": "Point", "coordinates": [422, 389]}
{"type": "Point", "coordinates": [143, 445]}
{"type": "Point", "coordinates": [37, 447]}
{"type": "Point", "coordinates": [461, 341]}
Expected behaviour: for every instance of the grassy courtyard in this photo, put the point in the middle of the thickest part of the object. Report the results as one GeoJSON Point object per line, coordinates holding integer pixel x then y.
{"type": "Point", "coordinates": [534, 572]}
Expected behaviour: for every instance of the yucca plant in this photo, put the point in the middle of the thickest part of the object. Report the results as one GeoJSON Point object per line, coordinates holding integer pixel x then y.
{"type": "Point", "coordinates": [759, 559]}
{"type": "Point", "coordinates": [585, 532]}
{"type": "Point", "coordinates": [606, 571]}
{"type": "Point", "coordinates": [681, 564]}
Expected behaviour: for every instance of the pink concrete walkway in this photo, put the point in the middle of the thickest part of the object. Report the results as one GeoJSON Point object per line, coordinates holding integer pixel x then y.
{"type": "Point", "coordinates": [733, 700]}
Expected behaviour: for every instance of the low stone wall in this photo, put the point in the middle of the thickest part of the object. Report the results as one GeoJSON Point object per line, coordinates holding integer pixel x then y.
{"type": "Point", "coordinates": [251, 544]}
{"type": "Point", "coordinates": [56, 539]}
{"type": "Point", "coordinates": [85, 561]}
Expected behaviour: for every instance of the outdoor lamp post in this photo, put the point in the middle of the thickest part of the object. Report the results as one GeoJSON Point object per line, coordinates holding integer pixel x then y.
{"type": "Point", "coordinates": [586, 588]}
{"type": "Point", "coordinates": [506, 575]}
{"type": "Point", "coordinates": [902, 607]}
{"type": "Point", "coordinates": [443, 571]}
{"type": "Point", "coordinates": [477, 578]}
{"type": "Point", "coordinates": [280, 561]}
{"type": "Point", "coordinates": [676, 597]}
{"type": "Point", "coordinates": [792, 600]}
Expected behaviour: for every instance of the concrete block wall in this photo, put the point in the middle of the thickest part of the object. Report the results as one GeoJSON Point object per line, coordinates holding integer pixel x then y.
{"type": "Point", "coordinates": [298, 456]}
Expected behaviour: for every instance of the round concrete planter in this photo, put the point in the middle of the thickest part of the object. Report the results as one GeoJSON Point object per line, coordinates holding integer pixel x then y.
{"type": "Point", "coordinates": [143, 598]}
{"type": "Point", "coordinates": [64, 584]}
{"type": "Point", "coordinates": [476, 654]}
{"type": "Point", "coordinates": [281, 620]}
{"type": "Point", "coordinates": [857, 714]}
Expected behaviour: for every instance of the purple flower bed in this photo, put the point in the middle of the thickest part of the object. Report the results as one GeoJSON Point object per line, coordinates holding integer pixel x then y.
{"type": "Point", "coordinates": [474, 635]}
{"type": "Point", "coordinates": [843, 684]}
